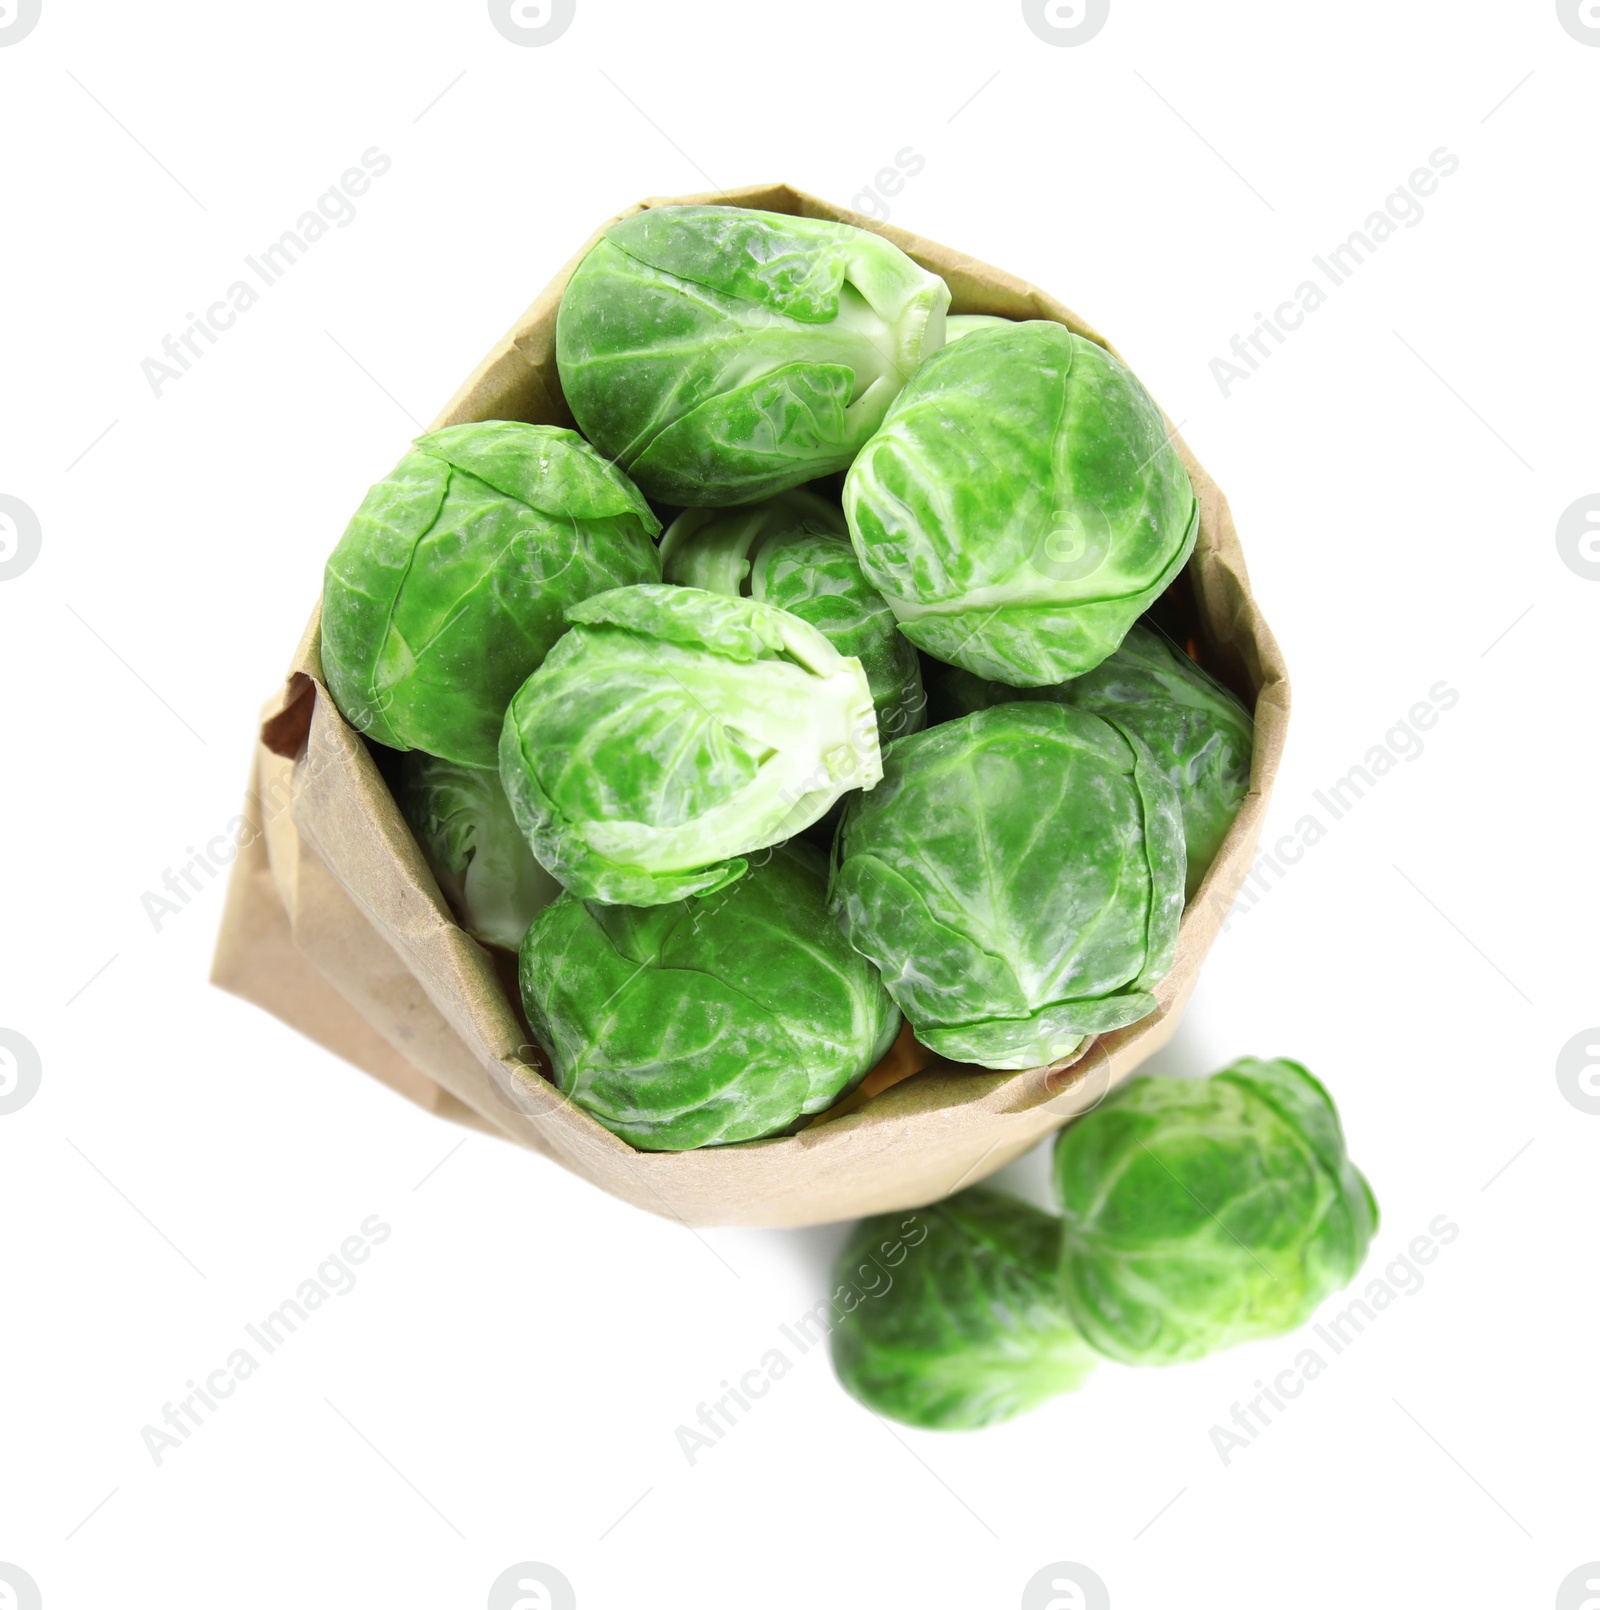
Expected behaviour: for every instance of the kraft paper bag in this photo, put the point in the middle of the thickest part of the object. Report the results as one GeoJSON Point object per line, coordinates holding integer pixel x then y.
{"type": "Point", "coordinates": [335, 924]}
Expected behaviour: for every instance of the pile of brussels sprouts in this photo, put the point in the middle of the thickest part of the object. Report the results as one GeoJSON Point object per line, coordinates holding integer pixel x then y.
{"type": "Point", "coordinates": [1195, 1215]}
{"type": "Point", "coordinates": [693, 780]}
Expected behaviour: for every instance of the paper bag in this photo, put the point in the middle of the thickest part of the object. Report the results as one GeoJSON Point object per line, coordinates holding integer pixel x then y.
{"type": "Point", "coordinates": [335, 924]}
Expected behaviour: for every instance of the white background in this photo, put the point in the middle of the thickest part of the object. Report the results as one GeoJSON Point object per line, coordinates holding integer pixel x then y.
{"type": "Point", "coordinates": [504, 1382]}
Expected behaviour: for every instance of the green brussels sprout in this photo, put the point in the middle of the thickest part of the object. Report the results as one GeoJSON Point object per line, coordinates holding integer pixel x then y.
{"type": "Point", "coordinates": [957, 325]}
{"type": "Point", "coordinates": [794, 552]}
{"type": "Point", "coordinates": [447, 588]}
{"type": "Point", "coordinates": [1202, 1213]}
{"type": "Point", "coordinates": [716, 1019]}
{"type": "Point", "coordinates": [720, 355]}
{"type": "Point", "coordinates": [674, 730]}
{"type": "Point", "coordinates": [1022, 505]}
{"type": "Point", "coordinates": [957, 1319]}
{"type": "Point", "coordinates": [464, 825]}
{"type": "Point", "coordinates": [1017, 878]}
{"type": "Point", "coordinates": [1199, 733]}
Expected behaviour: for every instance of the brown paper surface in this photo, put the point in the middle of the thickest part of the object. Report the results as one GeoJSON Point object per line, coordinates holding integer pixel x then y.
{"type": "Point", "coordinates": [335, 925]}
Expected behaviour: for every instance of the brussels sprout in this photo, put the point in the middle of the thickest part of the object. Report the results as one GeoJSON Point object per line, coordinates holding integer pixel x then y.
{"type": "Point", "coordinates": [958, 1321]}
{"type": "Point", "coordinates": [715, 1019]}
{"type": "Point", "coordinates": [957, 325]}
{"type": "Point", "coordinates": [718, 549]}
{"type": "Point", "coordinates": [794, 552]}
{"type": "Point", "coordinates": [448, 587]}
{"type": "Point", "coordinates": [1200, 735]}
{"type": "Point", "coordinates": [672, 731]}
{"type": "Point", "coordinates": [464, 825]}
{"type": "Point", "coordinates": [720, 355]}
{"type": "Point", "coordinates": [1017, 877]}
{"type": "Point", "coordinates": [1202, 1213]}
{"type": "Point", "coordinates": [1021, 506]}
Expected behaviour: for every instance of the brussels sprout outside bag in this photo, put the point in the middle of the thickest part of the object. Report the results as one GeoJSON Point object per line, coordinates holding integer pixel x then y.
{"type": "Point", "coordinates": [1194, 1214]}
{"type": "Point", "coordinates": [336, 924]}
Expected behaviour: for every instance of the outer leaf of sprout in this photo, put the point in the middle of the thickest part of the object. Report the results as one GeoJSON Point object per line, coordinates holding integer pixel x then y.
{"type": "Point", "coordinates": [1198, 1214]}
{"type": "Point", "coordinates": [720, 354]}
{"type": "Point", "coordinates": [1021, 505]}
{"type": "Point", "coordinates": [674, 731]}
{"type": "Point", "coordinates": [1017, 878]}
{"type": "Point", "coordinates": [950, 1317]}
{"type": "Point", "coordinates": [710, 1020]}
{"type": "Point", "coordinates": [464, 825]}
{"type": "Point", "coordinates": [448, 587]}
{"type": "Point", "coordinates": [793, 551]}
{"type": "Point", "coordinates": [1200, 735]}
